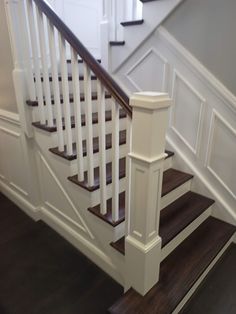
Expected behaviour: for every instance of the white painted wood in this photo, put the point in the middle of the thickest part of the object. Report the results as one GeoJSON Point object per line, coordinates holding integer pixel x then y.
{"type": "Point", "coordinates": [66, 96]}
{"type": "Point", "coordinates": [46, 85]}
{"type": "Point", "coordinates": [199, 95]}
{"type": "Point", "coordinates": [128, 172]}
{"type": "Point", "coordinates": [56, 90]}
{"type": "Point", "coordinates": [143, 243]}
{"type": "Point", "coordinates": [115, 161]}
{"type": "Point", "coordinates": [221, 148]}
{"type": "Point", "coordinates": [102, 147]}
{"type": "Point", "coordinates": [77, 113]}
{"type": "Point", "coordinates": [201, 278]}
{"type": "Point", "coordinates": [89, 124]}
{"type": "Point", "coordinates": [36, 60]}
{"type": "Point", "coordinates": [175, 194]}
{"type": "Point", "coordinates": [184, 234]}
{"type": "Point", "coordinates": [154, 14]}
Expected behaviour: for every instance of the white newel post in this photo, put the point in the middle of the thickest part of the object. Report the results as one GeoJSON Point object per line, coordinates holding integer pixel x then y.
{"type": "Point", "coordinates": [22, 73]}
{"type": "Point", "coordinates": [143, 243]}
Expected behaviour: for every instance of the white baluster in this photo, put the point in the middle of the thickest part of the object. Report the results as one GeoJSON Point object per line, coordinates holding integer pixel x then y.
{"type": "Point", "coordinates": [128, 171]}
{"type": "Point", "coordinates": [77, 112]}
{"type": "Point", "coordinates": [56, 89]}
{"type": "Point", "coordinates": [36, 61]}
{"type": "Point", "coordinates": [102, 147]}
{"type": "Point", "coordinates": [46, 84]}
{"type": "Point", "coordinates": [89, 123]}
{"type": "Point", "coordinates": [115, 161]}
{"type": "Point", "coordinates": [66, 96]}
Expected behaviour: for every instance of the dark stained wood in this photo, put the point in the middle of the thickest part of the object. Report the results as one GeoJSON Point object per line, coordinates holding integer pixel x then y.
{"type": "Point", "coordinates": [117, 43]}
{"type": "Point", "coordinates": [132, 23]}
{"type": "Point", "coordinates": [84, 54]}
{"type": "Point", "coordinates": [216, 295]}
{"type": "Point", "coordinates": [41, 273]}
{"type": "Point", "coordinates": [122, 141]}
{"type": "Point", "coordinates": [81, 60]}
{"type": "Point", "coordinates": [94, 96]}
{"type": "Point", "coordinates": [119, 245]}
{"type": "Point", "coordinates": [179, 271]}
{"type": "Point", "coordinates": [178, 215]}
{"type": "Point", "coordinates": [172, 179]}
{"type": "Point", "coordinates": [169, 154]}
{"type": "Point", "coordinates": [108, 217]}
{"type": "Point", "coordinates": [144, 1]}
{"type": "Point", "coordinates": [70, 78]}
{"type": "Point", "coordinates": [108, 117]}
{"type": "Point", "coordinates": [84, 184]}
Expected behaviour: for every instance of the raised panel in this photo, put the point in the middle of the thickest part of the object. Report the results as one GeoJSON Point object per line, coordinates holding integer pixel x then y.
{"type": "Point", "coordinates": [187, 112]}
{"type": "Point", "coordinates": [222, 152]}
{"type": "Point", "coordinates": [149, 73]}
{"type": "Point", "coordinates": [14, 160]}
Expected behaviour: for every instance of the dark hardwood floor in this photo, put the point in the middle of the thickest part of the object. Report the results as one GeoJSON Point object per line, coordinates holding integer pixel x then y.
{"type": "Point", "coordinates": [217, 294]}
{"type": "Point", "coordinates": [41, 273]}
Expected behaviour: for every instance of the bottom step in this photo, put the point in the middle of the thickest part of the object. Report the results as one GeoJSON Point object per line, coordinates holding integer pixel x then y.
{"type": "Point", "coordinates": [180, 271]}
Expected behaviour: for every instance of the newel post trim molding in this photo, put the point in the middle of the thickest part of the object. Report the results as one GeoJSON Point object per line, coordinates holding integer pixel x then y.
{"type": "Point", "coordinates": [143, 243]}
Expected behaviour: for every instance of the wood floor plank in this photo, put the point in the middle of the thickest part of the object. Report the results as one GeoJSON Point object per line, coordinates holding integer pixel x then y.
{"type": "Point", "coordinates": [179, 271]}
{"type": "Point", "coordinates": [41, 273]}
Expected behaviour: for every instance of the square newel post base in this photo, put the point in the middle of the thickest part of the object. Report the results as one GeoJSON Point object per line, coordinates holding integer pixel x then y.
{"type": "Point", "coordinates": [143, 260]}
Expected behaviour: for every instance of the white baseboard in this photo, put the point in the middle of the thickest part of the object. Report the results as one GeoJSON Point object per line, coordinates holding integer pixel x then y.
{"type": "Point", "coordinates": [28, 208]}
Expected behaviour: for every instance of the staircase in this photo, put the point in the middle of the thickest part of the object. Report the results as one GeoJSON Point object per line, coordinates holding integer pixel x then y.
{"type": "Point", "coordinates": [91, 126]}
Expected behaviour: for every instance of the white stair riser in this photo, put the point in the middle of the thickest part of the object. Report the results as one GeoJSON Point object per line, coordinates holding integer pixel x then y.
{"type": "Point", "coordinates": [168, 163]}
{"type": "Point", "coordinates": [175, 194]}
{"type": "Point", "coordinates": [185, 233]}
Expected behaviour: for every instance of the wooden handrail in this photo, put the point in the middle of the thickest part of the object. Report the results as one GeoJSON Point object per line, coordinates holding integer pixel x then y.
{"type": "Point", "coordinates": [112, 87]}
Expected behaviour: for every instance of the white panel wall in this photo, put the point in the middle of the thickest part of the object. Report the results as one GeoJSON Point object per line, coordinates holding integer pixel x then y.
{"type": "Point", "coordinates": [84, 18]}
{"type": "Point", "coordinates": [202, 128]}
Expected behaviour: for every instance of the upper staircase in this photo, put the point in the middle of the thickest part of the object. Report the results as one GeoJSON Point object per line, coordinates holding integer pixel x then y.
{"type": "Point", "coordinates": [112, 151]}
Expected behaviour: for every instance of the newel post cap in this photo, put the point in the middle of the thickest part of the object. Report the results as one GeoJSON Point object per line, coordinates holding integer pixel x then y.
{"type": "Point", "coordinates": [150, 100]}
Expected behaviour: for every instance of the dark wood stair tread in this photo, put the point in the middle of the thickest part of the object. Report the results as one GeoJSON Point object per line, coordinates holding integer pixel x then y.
{"type": "Point", "coordinates": [108, 117]}
{"type": "Point", "coordinates": [117, 43]}
{"type": "Point", "coordinates": [122, 141]}
{"type": "Point", "coordinates": [131, 23]}
{"type": "Point", "coordinates": [169, 153]}
{"type": "Point", "coordinates": [82, 61]}
{"type": "Point", "coordinates": [94, 96]}
{"type": "Point", "coordinates": [108, 217]}
{"type": "Point", "coordinates": [176, 217]}
{"type": "Point", "coordinates": [179, 271]}
{"type": "Point", "coordinates": [172, 179]}
{"type": "Point", "coordinates": [84, 184]}
{"type": "Point", "coordinates": [182, 212]}
{"type": "Point", "coordinates": [70, 78]}
{"type": "Point", "coordinates": [119, 245]}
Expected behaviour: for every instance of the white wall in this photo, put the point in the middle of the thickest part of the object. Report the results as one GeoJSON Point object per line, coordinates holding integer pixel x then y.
{"type": "Point", "coordinates": [202, 128]}
{"type": "Point", "coordinates": [7, 94]}
{"type": "Point", "coordinates": [84, 18]}
{"type": "Point", "coordinates": [207, 29]}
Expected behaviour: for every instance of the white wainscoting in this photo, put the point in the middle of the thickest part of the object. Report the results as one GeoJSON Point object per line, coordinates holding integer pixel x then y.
{"type": "Point", "coordinates": [202, 128]}
{"type": "Point", "coordinates": [15, 174]}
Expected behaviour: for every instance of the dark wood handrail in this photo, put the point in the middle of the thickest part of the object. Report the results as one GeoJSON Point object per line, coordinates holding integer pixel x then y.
{"type": "Point", "coordinates": [112, 87]}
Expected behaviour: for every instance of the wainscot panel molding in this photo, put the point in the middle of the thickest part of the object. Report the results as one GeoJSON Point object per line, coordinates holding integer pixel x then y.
{"type": "Point", "coordinates": [203, 116]}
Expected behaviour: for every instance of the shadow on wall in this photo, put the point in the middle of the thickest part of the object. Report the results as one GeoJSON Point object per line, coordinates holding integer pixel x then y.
{"type": "Point", "coordinates": [7, 93]}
